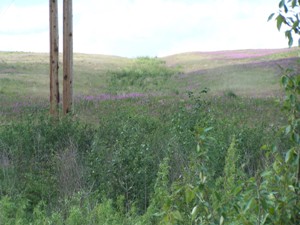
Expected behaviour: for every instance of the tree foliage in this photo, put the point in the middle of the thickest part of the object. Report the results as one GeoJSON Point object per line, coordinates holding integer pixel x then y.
{"type": "Point", "coordinates": [289, 15]}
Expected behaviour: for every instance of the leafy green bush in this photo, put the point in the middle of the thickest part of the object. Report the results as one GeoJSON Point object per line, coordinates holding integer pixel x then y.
{"type": "Point", "coordinates": [31, 148]}
{"type": "Point", "coordinates": [124, 158]}
{"type": "Point", "coordinates": [12, 211]}
{"type": "Point", "coordinates": [145, 73]}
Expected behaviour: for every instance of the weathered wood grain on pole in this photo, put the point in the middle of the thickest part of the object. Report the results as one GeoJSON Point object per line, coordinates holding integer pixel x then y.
{"type": "Point", "coordinates": [54, 57]}
{"type": "Point", "coordinates": [67, 56]}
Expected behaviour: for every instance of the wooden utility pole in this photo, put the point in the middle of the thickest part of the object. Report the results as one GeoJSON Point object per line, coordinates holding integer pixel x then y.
{"type": "Point", "coordinates": [67, 56]}
{"type": "Point", "coordinates": [54, 52]}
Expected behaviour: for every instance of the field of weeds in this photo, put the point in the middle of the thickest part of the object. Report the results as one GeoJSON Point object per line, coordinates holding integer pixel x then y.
{"type": "Point", "coordinates": [192, 138]}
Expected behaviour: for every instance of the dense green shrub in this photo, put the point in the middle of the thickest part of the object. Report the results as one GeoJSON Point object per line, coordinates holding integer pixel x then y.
{"type": "Point", "coordinates": [12, 211]}
{"type": "Point", "coordinates": [124, 158]}
{"type": "Point", "coordinates": [32, 149]}
{"type": "Point", "coordinates": [145, 74]}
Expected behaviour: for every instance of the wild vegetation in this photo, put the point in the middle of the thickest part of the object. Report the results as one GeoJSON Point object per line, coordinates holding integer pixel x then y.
{"type": "Point", "coordinates": [187, 139]}
{"type": "Point", "coordinates": [194, 138]}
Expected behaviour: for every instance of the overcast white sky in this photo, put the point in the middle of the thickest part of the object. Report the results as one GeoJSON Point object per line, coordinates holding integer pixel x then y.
{"type": "Point", "coordinates": [144, 27]}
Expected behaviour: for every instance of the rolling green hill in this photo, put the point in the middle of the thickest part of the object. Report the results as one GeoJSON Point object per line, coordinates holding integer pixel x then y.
{"type": "Point", "coordinates": [252, 73]}
{"type": "Point", "coordinates": [24, 77]}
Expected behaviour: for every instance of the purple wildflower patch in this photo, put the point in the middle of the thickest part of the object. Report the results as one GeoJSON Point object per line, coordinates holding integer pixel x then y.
{"type": "Point", "coordinates": [103, 97]}
{"type": "Point", "coordinates": [23, 105]}
{"type": "Point", "coordinates": [246, 54]}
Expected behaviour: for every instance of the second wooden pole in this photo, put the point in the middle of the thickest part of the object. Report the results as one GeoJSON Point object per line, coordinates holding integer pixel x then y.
{"type": "Point", "coordinates": [67, 56]}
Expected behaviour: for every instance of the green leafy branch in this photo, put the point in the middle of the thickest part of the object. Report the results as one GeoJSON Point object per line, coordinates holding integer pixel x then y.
{"type": "Point", "coordinates": [288, 15]}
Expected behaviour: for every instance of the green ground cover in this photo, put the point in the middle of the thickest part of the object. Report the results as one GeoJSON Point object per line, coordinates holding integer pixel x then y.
{"type": "Point", "coordinates": [193, 138]}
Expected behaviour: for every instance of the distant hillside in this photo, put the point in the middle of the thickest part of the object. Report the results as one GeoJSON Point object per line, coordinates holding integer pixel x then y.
{"type": "Point", "coordinates": [205, 60]}
{"type": "Point", "coordinates": [252, 73]}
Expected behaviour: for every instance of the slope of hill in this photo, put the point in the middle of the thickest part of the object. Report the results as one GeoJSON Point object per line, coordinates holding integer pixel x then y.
{"type": "Point", "coordinates": [253, 73]}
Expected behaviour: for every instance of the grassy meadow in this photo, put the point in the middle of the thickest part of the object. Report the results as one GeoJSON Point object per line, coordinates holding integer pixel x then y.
{"type": "Point", "coordinates": [192, 138]}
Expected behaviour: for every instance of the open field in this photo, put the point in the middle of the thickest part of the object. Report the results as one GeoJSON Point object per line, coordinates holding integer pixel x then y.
{"type": "Point", "coordinates": [245, 73]}
{"type": "Point", "coordinates": [175, 140]}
